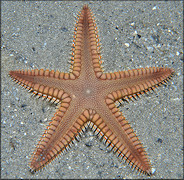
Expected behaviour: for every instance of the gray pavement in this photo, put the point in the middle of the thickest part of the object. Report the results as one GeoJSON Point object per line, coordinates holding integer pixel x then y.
{"type": "Point", "coordinates": [133, 35]}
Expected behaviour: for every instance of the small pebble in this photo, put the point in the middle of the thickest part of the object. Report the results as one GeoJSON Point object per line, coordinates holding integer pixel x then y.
{"type": "Point", "coordinates": [127, 44]}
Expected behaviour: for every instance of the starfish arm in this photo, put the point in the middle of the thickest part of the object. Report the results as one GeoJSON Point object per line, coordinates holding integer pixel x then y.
{"type": "Point", "coordinates": [63, 131]}
{"type": "Point", "coordinates": [118, 136]}
{"type": "Point", "coordinates": [135, 82]}
{"type": "Point", "coordinates": [46, 84]}
{"type": "Point", "coordinates": [86, 47]}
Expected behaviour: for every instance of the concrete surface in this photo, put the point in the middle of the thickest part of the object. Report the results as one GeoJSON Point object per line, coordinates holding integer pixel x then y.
{"type": "Point", "coordinates": [133, 35]}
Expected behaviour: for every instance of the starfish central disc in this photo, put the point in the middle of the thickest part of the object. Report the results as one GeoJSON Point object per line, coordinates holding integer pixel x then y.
{"type": "Point", "coordinates": [88, 91]}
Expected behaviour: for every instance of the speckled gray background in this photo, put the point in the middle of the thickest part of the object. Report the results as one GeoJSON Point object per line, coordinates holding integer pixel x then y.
{"type": "Point", "coordinates": [39, 35]}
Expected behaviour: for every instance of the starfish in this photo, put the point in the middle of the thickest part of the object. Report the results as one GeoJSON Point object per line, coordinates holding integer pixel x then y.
{"type": "Point", "coordinates": [86, 97]}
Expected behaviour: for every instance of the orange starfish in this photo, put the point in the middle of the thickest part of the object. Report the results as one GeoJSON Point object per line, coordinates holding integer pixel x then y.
{"type": "Point", "coordinates": [87, 97]}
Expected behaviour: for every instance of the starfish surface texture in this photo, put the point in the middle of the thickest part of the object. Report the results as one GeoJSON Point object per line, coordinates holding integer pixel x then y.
{"type": "Point", "coordinates": [86, 98]}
